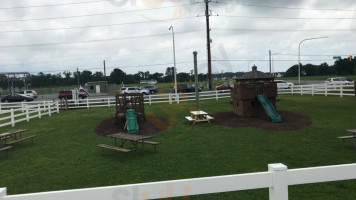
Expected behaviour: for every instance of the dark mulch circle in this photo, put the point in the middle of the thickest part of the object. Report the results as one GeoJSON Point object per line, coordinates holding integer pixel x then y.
{"type": "Point", "coordinates": [290, 121]}
{"type": "Point", "coordinates": [151, 126]}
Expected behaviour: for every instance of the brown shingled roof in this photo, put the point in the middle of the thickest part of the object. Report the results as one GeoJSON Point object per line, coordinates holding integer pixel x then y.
{"type": "Point", "coordinates": [254, 74]}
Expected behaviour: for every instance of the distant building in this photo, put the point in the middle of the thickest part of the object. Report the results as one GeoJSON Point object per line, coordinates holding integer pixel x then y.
{"type": "Point", "coordinates": [148, 81]}
{"type": "Point", "coordinates": [101, 87]}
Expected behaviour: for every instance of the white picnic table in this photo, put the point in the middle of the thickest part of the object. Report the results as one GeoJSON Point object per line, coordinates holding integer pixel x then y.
{"type": "Point", "coordinates": [199, 116]}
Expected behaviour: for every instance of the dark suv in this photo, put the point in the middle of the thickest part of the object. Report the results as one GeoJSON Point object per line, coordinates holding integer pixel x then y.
{"type": "Point", "coordinates": [68, 93]}
{"type": "Point", "coordinates": [152, 88]}
{"type": "Point", "coordinates": [185, 88]}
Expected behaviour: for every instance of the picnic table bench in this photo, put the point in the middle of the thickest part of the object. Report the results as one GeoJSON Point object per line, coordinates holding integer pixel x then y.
{"type": "Point", "coordinates": [349, 137]}
{"type": "Point", "coordinates": [105, 146]}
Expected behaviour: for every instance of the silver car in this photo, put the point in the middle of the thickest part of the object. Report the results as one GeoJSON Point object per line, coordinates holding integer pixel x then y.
{"type": "Point", "coordinates": [127, 90]}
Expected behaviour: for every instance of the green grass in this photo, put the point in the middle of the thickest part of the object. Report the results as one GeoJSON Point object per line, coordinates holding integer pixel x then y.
{"type": "Point", "coordinates": [65, 156]}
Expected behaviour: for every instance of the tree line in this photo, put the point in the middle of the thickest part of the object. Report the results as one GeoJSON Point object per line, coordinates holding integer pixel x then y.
{"type": "Point", "coordinates": [346, 66]}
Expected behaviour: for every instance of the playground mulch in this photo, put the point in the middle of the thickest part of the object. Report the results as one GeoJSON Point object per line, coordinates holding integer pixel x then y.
{"type": "Point", "coordinates": [290, 121]}
{"type": "Point", "coordinates": [151, 126]}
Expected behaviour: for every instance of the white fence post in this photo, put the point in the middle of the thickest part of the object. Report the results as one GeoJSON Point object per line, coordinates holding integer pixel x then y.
{"type": "Point", "coordinates": [326, 89]}
{"type": "Point", "coordinates": [292, 89]}
{"type": "Point", "coordinates": [2, 193]}
{"type": "Point", "coordinates": [149, 99]}
{"type": "Point", "coordinates": [301, 90]}
{"type": "Point", "coordinates": [39, 110]}
{"type": "Point", "coordinates": [170, 98]}
{"type": "Point", "coordinates": [57, 104]}
{"type": "Point", "coordinates": [177, 97]}
{"type": "Point", "coordinates": [341, 90]}
{"type": "Point", "coordinates": [312, 89]}
{"type": "Point", "coordinates": [22, 107]}
{"type": "Point", "coordinates": [87, 103]}
{"type": "Point", "coordinates": [49, 108]}
{"type": "Point", "coordinates": [108, 101]}
{"type": "Point", "coordinates": [27, 114]}
{"type": "Point", "coordinates": [279, 190]}
{"type": "Point", "coordinates": [12, 118]}
{"type": "Point", "coordinates": [217, 95]}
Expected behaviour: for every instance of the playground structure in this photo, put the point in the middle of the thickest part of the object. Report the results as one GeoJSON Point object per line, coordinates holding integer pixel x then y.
{"type": "Point", "coordinates": [124, 104]}
{"type": "Point", "coordinates": [254, 95]}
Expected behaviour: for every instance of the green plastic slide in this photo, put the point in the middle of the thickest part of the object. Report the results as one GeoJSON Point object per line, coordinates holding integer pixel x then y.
{"type": "Point", "coordinates": [270, 111]}
{"type": "Point", "coordinates": [131, 121]}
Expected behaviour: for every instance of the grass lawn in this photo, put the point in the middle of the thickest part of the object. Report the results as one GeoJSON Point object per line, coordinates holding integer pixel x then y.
{"type": "Point", "coordinates": [65, 156]}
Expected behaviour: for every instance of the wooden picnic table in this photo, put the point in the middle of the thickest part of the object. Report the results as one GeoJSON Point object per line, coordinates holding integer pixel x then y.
{"type": "Point", "coordinates": [199, 116]}
{"type": "Point", "coordinates": [349, 137]}
{"type": "Point", "coordinates": [133, 138]}
{"type": "Point", "coordinates": [11, 134]}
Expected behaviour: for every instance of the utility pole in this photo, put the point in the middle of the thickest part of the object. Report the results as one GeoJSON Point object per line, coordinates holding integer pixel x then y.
{"type": "Point", "coordinates": [270, 63]}
{"type": "Point", "coordinates": [207, 15]}
{"type": "Point", "coordinates": [196, 80]}
{"type": "Point", "coordinates": [78, 77]}
{"type": "Point", "coordinates": [104, 70]}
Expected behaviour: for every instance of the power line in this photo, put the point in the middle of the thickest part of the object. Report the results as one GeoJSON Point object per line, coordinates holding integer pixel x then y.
{"type": "Point", "coordinates": [96, 26]}
{"type": "Point", "coordinates": [97, 14]}
{"type": "Point", "coordinates": [283, 30]}
{"type": "Point", "coordinates": [267, 60]}
{"type": "Point", "coordinates": [52, 5]}
{"type": "Point", "coordinates": [92, 41]}
{"type": "Point", "coordinates": [284, 7]}
{"type": "Point", "coordinates": [297, 18]}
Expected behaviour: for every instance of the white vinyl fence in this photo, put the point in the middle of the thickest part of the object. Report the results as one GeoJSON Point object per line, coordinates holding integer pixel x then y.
{"type": "Point", "coordinates": [12, 113]}
{"type": "Point", "coordinates": [150, 99]}
{"type": "Point", "coordinates": [320, 89]}
{"type": "Point", "coordinates": [277, 179]}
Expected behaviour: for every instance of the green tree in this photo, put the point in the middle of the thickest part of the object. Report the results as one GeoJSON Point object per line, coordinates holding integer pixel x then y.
{"type": "Point", "coordinates": [117, 76]}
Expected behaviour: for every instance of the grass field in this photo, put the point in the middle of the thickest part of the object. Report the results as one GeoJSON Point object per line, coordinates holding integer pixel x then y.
{"type": "Point", "coordinates": [65, 156]}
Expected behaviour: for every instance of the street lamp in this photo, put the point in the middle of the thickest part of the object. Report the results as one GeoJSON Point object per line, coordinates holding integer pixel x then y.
{"type": "Point", "coordinates": [174, 57]}
{"type": "Point", "coordinates": [273, 61]}
{"type": "Point", "coordinates": [299, 53]}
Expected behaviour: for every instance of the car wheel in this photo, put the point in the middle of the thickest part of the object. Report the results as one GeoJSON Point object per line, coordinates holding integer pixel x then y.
{"type": "Point", "coordinates": [24, 100]}
{"type": "Point", "coordinates": [6, 101]}
{"type": "Point", "coordinates": [152, 91]}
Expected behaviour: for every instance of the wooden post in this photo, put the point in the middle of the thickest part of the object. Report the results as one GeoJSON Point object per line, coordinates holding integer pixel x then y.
{"type": "Point", "coordinates": [149, 99]}
{"type": "Point", "coordinates": [312, 90]}
{"type": "Point", "coordinates": [87, 103]}
{"type": "Point", "coordinates": [341, 90]}
{"type": "Point", "coordinates": [301, 90]}
{"type": "Point", "coordinates": [196, 79]}
{"type": "Point", "coordinates": [170, 98]}
{"type": "Point", "coordinates": [108, 101]}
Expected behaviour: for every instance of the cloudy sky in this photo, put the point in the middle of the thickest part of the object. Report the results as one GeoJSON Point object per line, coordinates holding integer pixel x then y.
{"type": "Point", "coordinates": [55, 36]}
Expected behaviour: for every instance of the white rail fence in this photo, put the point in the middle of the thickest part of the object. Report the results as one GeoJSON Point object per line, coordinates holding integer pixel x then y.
{"type": "Point", "coordinates": [149, 99]}
{"type": "Point", "coordinates": [12, 113]}
{"type": "Point", "coordinates": [320, 89]}
{"type": "Point", "coordinates": [277, 179]}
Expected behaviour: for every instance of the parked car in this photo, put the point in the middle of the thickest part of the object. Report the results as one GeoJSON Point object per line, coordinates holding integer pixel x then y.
{"type": "Point", "coordinates": [339, 81]}
{"type": "Point", "coordinates": [225, 86]}
{"type": "Point", "coordinates": [185, 88]}
{"type": "Point", "coordinates": [68, 93]}
{"type": "Point", "coordinates": [283, 84]}
{"type": "Point", "coordinates": [29, 93]}
{"type": "Point", "coordinates": [151, 88]}
{"type": "Point", "coordinates": [15, 98]}
{"type": "Point", "coordinates": [127, 90]}
{"type": "Point", "coordinates": [200, 86]}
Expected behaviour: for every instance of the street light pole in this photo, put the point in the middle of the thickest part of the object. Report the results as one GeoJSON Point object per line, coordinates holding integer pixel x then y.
{"type": "Point", "coordinates": [273, 61]}
{"type": "Point", "coordinates": [174, 58]}
{"type": "Point", "coordinates": [299, 53]}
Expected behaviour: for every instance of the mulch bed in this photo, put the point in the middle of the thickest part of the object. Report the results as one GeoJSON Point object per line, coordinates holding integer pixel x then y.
{"type": "Point", "coordinates": [153, 125]}
{"type": "Point", "coordinates": [290, 121]}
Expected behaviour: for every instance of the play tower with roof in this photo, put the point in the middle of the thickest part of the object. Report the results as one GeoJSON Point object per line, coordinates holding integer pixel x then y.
{"type": "Point", "coordinates": [254, 95]}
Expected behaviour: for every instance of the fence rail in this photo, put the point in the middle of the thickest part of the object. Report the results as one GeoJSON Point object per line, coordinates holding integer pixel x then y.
{"type": "Point", "coordinates": [12, 113]}
{"type": "Point", "coordinates": [277, 179]}
{"type": "Point", "coordinates": [320, 89]}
